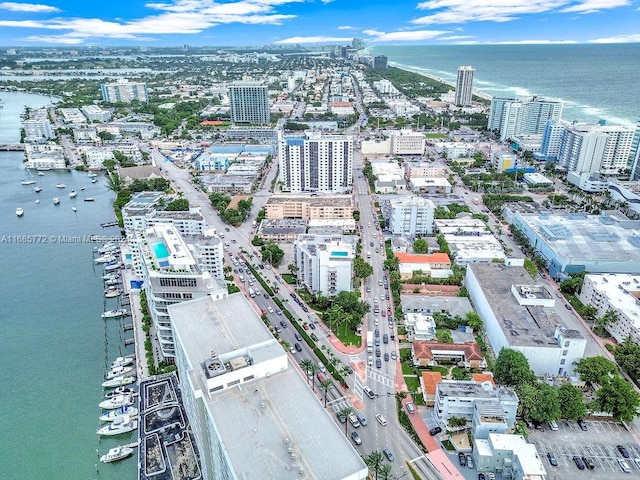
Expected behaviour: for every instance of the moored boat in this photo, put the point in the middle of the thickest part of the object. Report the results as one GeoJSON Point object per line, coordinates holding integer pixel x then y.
{"type": "Point", "coordinates": [74, 208]}
{"type": "Point", "coordinates": [104, 259]}
{"type": "Point", "coordinates": [118, 382]}
{"type": "Point", "coordinates": [112, 415]}
{"type": "Point", "coordinates": [116, 402]}
{"type": "Point", "coordinates": [37, 189]}
{"type": "Point", "coordinates": [123, 361]}
{"type": "Point", "coordinates": [56, 201]}
{"type": "Point", "coordinates": [37, 202]}
{"type": "Point", "coordinates": [40, 174]}
{"type": "Point", "coordinates": [119, 312]}
{"type": "Point", "coordinates": [118, 372]}
{"type": "Point", "coordinates": [94, 180]}
{"type": "Point", "coordinates": [28, 182]}
{"type": "Point", "coordinates": [121, 391]}
{"type": "Point", "coordinates": [89, 199]}
{"type": "Point", "coordinates": [19, 211]}
{"type": "Point", "coordinates": [122, 425]}
{"type": "Point", "coordinates": [60, 185]}
{"type": "Point", "coordinates": [73, 194]}
{"type": "Point", "coordinates": [114, 266]}
{"type": "Point", "coordinates": [111, 293]}
{"type": "Point", "coordinates": [116, 453]}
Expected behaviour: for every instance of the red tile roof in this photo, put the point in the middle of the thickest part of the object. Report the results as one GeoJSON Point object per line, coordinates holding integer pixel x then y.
{"type": "Point", "coordinates": [422, 257]}
{"type": "Point", "coordinates": [430, 380]}
{"type": "Point", "coordinates": [424, 350]}
{"type": "Point", "coordinates": [483, 377]}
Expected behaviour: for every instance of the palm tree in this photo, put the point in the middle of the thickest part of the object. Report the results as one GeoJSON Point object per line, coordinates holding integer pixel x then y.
{"type": "Point", "coordinates": [325, 385]}
{"type": "Point", "coordinates": [114, 182]}
{"type": "Point", "coordinates": [346, 411]}
{"type": "Point", "coordinates": [306, 365]}
{"type": "Point", "coordinates": [374, 462]}
{"type": "Point", "coordinates": [385, 471]}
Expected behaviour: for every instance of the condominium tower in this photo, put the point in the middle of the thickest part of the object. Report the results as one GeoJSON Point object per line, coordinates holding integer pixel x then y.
{"type": "Point", "coordinates": [124, 91]}
{"type": "Point", "coordinates": [316, 163]}
{"type": "Point", "coordinates": [249, 103]}
{"type": "Point", "coordinates": [513, 116]}
{"type": "Point", "coordinates": [464, 85]}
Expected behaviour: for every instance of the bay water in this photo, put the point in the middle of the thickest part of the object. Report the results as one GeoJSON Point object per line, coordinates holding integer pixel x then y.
{"type": "Point", "coordinates": [54, 346]}
{"type": "Point", "coordinates": [595, 81]}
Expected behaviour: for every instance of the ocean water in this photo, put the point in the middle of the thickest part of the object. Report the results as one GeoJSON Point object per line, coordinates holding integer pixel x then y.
{"type": "Point", "coordinates": [54, 345]}
{"type": "Point", "coordinates": [595, 81]}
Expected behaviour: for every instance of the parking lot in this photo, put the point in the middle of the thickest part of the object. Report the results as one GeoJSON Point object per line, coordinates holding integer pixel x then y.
{"type": "Point", "coordinates": [598, 443]}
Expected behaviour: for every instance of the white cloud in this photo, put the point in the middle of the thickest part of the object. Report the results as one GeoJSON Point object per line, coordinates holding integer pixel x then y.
{"type": "Point", "coordinates": [315, 39]}
{"type": "Point", "coordinates": [27, 7]}
{"type": "Point", "coordinates": [404, 36]}
{"type": "Point", "coordinates": [592, 6]}
{"type": "Point", "coordinates": [179, 17]}
{"type": "Point", "coordinates": [629, 38]}
{"type": "Point", "coordinates": [346, 27]}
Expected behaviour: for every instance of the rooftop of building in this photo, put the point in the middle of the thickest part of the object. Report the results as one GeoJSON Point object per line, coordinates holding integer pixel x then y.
{"type": "Point", "coordinates": [404, 200]}
{"type": "Point", "coordinates": [167, 249]}
{"type": "Point", "coordinates": [526, 452]}
{"type": "Point", "coordinates": [430, 381]}
{"type": "Point", "coordinates": [622, 291]}
{"type": "Point", "coordinates": [428, 350]}
{"type": "Point", "coordinates": [454, 305]}
{"type": "Point", "coordinates": [422, 257]}
{"type": "Point", "coordinates": [143, 200]}
{"type": "Point", "coordinates": [482, 377]}
{"type": "Point", "coordinates": [471, 247]}
{"type": "Point", "coordinates": [426, 181]}
{"type": "Point", "coordinates": [490, 411]}
{"type": "Point", "coordinates": [315, 199]}
{"type": "Point", "coordinates": [281, 227]}
{"type": "Point", "coordinates": [469, 389]}
{"type": "Point", "coordinates": [272, 427]}
{"type": "Point", "coordinates": [523, 325]}
{"type": "Point", "coordinates": [578, 237]}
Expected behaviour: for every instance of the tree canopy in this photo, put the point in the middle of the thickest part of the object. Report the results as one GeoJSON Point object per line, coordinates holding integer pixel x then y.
{"type": "Point", "coordinates": [540, 402]}
{"type": "Point", "coordinates": [272, 253]}
{"type": "Point", "coordinates": [595, 369]}
{"type": "Point", "coordinates": [618, 397]}
{"type": "Point", "coordinates": [420, 246]}
{"type": "Point", "coordinates": [362, 269]}
{"type": "Point", "coordinates": [572, 405]}
{"type": "Point", "coordinates": [512, 369]}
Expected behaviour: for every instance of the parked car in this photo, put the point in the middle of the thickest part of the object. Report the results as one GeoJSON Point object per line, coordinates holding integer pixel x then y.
{"type": "Point", "coordinates": [314, 337]}
{"type": "Point", "coordinates": [624, 466]}
{"type": "Point", "coordinates": [341, 417]}
{"type": "Point", "coordinates": [552, 459]}
{"type": "Point", "coordinates": [435, 431]}
{"type": "Point", "coordinates": [312, 326]}
{"type": "Point", "coordinates": [583, 425]}
{"type": "Point", "coordinates": [579, 463]}
{"type": "Point", "coordinates": [623, 451]}
{"type": "Point", "coordinates": [588, 463]}
{"type": "Point", "coordinates": [356, 438]}
{"type": "Point", "coordinates": [469, 461]}
{"type": "Point", "coordinates": [378, 363]}
{"type": "Point", "coordinates": [462, 459]}
{"type": "Point", "coordinates": [411, 408]}
{"type": "Point", "coordinates": [394, 355]}
{"type": "Point", "coordinates": [361, 419]}
{"type": "Point", "coordinates": [386, 357]}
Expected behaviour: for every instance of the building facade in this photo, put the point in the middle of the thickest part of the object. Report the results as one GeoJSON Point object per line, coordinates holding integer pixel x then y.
{"type": "Point", "coordinates": [464, 85]}
{"type": "Point", "coordinates": [325, 264]}
{"type": "Point", "coordinates": [514, 117]}
{"type": "Point", "coordinates": [124, 91]}
{"type": "Point", "coordinates": [307, 207]}
{"type": "Point", "coordinates": [316, 163]}
{"type": "Point", "coordinates": [407, 142]}
{"type": "Point", "coordinates": [411, 216]}
{"type": "Point", "coordinates": [249, 103]}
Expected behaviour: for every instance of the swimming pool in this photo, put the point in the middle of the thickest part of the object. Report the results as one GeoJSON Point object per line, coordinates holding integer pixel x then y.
{"type": "Point", "coordinates": [339, 254]}
{"type": "Point", "coordinates": [161, 250]}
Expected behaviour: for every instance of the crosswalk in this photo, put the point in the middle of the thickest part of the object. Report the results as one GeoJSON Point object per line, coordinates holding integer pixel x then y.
{"type": "Point", "coordinates": [338, 404]}
{"type": "Point", "coordinates": [379, 377]}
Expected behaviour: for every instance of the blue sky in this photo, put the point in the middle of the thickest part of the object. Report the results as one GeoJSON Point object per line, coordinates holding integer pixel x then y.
{"type": "Point", "coordinates": [260, 22]}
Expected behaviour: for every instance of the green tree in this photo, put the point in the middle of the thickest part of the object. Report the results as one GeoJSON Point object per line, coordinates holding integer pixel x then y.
{"type": "Point", "coordinates": [512, 369]}
{"type": "Point", "coordinates": [346, 411]}
{"type": "Point", "coordinates": [531, 268]}
{"type": "Point", "coordinates": [540, 402]}
{"type": "Point", "coordinates": [385, 471]}
{"type": "Point", "coordinates": [595, 369]}
{"type": "Point", "coordinates": [178, 205]}
{"type": "Point", "coordinates": [474, 320]}
{"type": "Point", "coordinates": [628, 357]}
{"type": "Point", "coordinates": [374, 461]}
{"type": "Point", "coordinates": [572, 405]}
{"type": "Point", "coordinates": [457, 422]}
{"type": "Point", "coordinates": [325, 386]}
{"type": "Point", "coordinates": [605, 321]}
{"type": "Point", "coordinates": [307, 364]}
{"type": "Point", "coordinates": [362, 269]}
{"type": "Point", "coordinates": [114, 182]}
{"type": "Point", "coordinates": [272, 253]}
{"type": "Point", "coordinates": [618, 397]}
{"type": "Point", "coordinates": [420, 246]}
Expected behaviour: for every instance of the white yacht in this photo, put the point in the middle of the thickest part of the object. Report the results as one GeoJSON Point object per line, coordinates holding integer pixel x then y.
{"type": "Point", "coordinates": [28, 182]}
{"type": "Point", "coordinates": [118, 372]}
{"type": "Point", "coordinates": [123, 424]}
{"type": "Point", "coordinates": [19, 211]}
{"type": "Point", "coordinates": [112, 415]}
{"type": "Point", "coordinates": [119, 312]}
{"type": "Point", "coordinates": [56, 201]}
{"type": "Point", "coordinates": [116, 453]}
{"type": "Point", "coordinates": [60, 185]}
{"type": "Point", "coordinates": [121, 391]}
{"type": "Point", "coordinates": [118, 382]}
{"type": "Point", "coordinates": [116, 402]}
{"type": "Point", "coordinates": [73, 194]}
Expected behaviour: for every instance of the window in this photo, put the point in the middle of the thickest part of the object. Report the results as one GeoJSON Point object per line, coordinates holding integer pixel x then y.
{"type": "Point", "coordinates": [564, 353]}
{"type": "Point", "coordinates": [562, 361]}
{"type": "Point", "coordinates": [566, 343]}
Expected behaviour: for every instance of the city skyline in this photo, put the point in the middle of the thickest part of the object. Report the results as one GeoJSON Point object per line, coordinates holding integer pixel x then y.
{"type": "Point", "coordinates": [290, 22]}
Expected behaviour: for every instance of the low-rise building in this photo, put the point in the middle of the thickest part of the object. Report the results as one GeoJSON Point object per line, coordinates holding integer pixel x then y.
{"type": "Point", "coordinates": [389, 177]}
{"type": "Point", "coordinates": [429, 385]}
{"type": "Point", "coordinates": [510, 455]}
{"type": "Point", "coordinates": [425, 169]}
{"type": "Point", "coordinates": [488, 417]}
{"type": "Point", "coordinates": [429, 354]}
{"type": "Point", "coordinates": [309, 207]}
{"type": "Point", "coordinates": [521, 315]}
{"type": "Point", "coordinates": [325, 264]}
{"type": "Point", "coordinates": [407, 142]}
{"type": "Point", "coordinates": [430, 185]}
{"type": "Point", "coordinates": [455, 150]}
{"type": "Point", "coordinates": [420, 326]}
{"type": "Point", "coordinates": [252, 414]}
{"type": "Point", "coordinates": [620, 293]}
{"type": "Point", "coordinates": [47, 156]}
{"type": "Point", "coordinates": [454, 306]}
{"type": "Point", "coordinates": [502, 161]}
{"type": "Point", "coordinates": [537, 180]}
{"type": "Point", "coordinates": [72, 116]}
{"type": "Point", "coordinates": [95, 113]}
{"type": "Point", "coordinates": [436, 265]}
{"type": "Point", "coordinates": [281, 231]}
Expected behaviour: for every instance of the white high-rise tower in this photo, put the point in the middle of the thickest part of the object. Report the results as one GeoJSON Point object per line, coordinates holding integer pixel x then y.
{"type": "Point", "coordinates": [464, 85]}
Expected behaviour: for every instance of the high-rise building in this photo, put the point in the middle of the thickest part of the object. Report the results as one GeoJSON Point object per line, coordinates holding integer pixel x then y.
{"type": "Point", "coordinates": [249, 103]}
{"type": "Point", "coordinates": [552, 140]}
{"type": "Point", "coordinates": [380, 62]}
{"type": "Point", "coordinates": [634, 158]}
{"type": "Point", "coordinates": [124, 91]}
{"type": "Point", "coordinates": [411, 216]}
{"type": "Point", "coordinates": [464, 85]}
{"type": "Point", "coordinates": [513, 116]}
{"type": "Point", "coordinates": [252, 413]}
{"type": "Point", "coordinates": [325, 263]}
{"type": "Point", "coordinates": [37, 130]}
{"type": "Point", "coordinates": [316, 163]}
{"type": "Point", "coordinates": [582, 148]}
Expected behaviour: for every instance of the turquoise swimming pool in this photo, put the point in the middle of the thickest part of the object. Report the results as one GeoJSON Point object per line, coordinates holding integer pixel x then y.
{"type": "Point", "coordinates": [161, 250]}
{"type": "Point", "coordinates": [339, 254]}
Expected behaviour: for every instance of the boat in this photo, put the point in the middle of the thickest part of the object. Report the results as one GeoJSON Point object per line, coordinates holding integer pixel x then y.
{"type": "Point", "coordinates": [104, 259]}
{"type": "Point", "coordinates": [116, 402]}
{"type": "Point", "coordinates": [89, 199]}
{"type": "Point", "coordinates": [119, 312]}
{"type": "Point", "coordinates": [112, 283]}
{"type": "Point", "coordinates": [73, 194]}
{"type": "Point", "coordinates": [118, 372]}
{"type": "Point", "coordinates": [121, 391]}
{"type": "Point", "coordinates": [123, 362]}
{"type": "Point", "coordinates": [118, 382]}
{"type": "Point", "coordinates": [116, 453]}
{"type": "Point", "coordinates": [95, 180]}
{"type": "Point", "coordinates": [82, 188]}
{"type": "Point", "coordinates": [123, 424]}
{"type": "Point", "coordinates": [110, 276]}
{"type": "Point", "coordinates": [60, 185]}
{"type": "Point", "coordinates": [111, 293]}
{"type": "Point", "coordinates": [56, 201]}
{"type": "Point", "coordinates": [92, 175]}
{"type": "Point", "coordinates": [28, 181]}
{"type": "Point", "coordinates": [108, 248]}
{"type": "Point", "coordinates": [74, 208]}
{"type": "Point", "coordinates": [111, 415]}
{"type": "Point", "coordinates": [40, 174]}
{"type": "Point", "coordinates": [19, 211]}
{"type": "Point", "coordinates": [37, 202]}
{"type": "Point", "coordinates": [114, 266]}
{"type": "Point", "coordinates": [37, 189]}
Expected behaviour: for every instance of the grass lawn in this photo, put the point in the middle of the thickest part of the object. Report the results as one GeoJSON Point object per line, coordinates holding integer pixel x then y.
{"type": "Point", "coordinates": [407, 369]}
{"type": "Point", "coordinates": [435, 135]}
{"type": "Point", "coordinates": [443, 370]}
{"type": "Point", "coordinates": [290, 279]}
{"type": "Point", "coordinates": [412, 383]}
{"type": "Point", "coordinates": [347, 336]}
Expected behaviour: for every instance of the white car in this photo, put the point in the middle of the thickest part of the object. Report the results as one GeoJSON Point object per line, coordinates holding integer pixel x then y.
{"type": "Point", "coordinates": [270, 309]}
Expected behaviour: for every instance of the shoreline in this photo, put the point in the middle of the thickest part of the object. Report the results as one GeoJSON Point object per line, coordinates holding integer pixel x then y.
{"type": "Point", "coordinates": [475, 91]}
